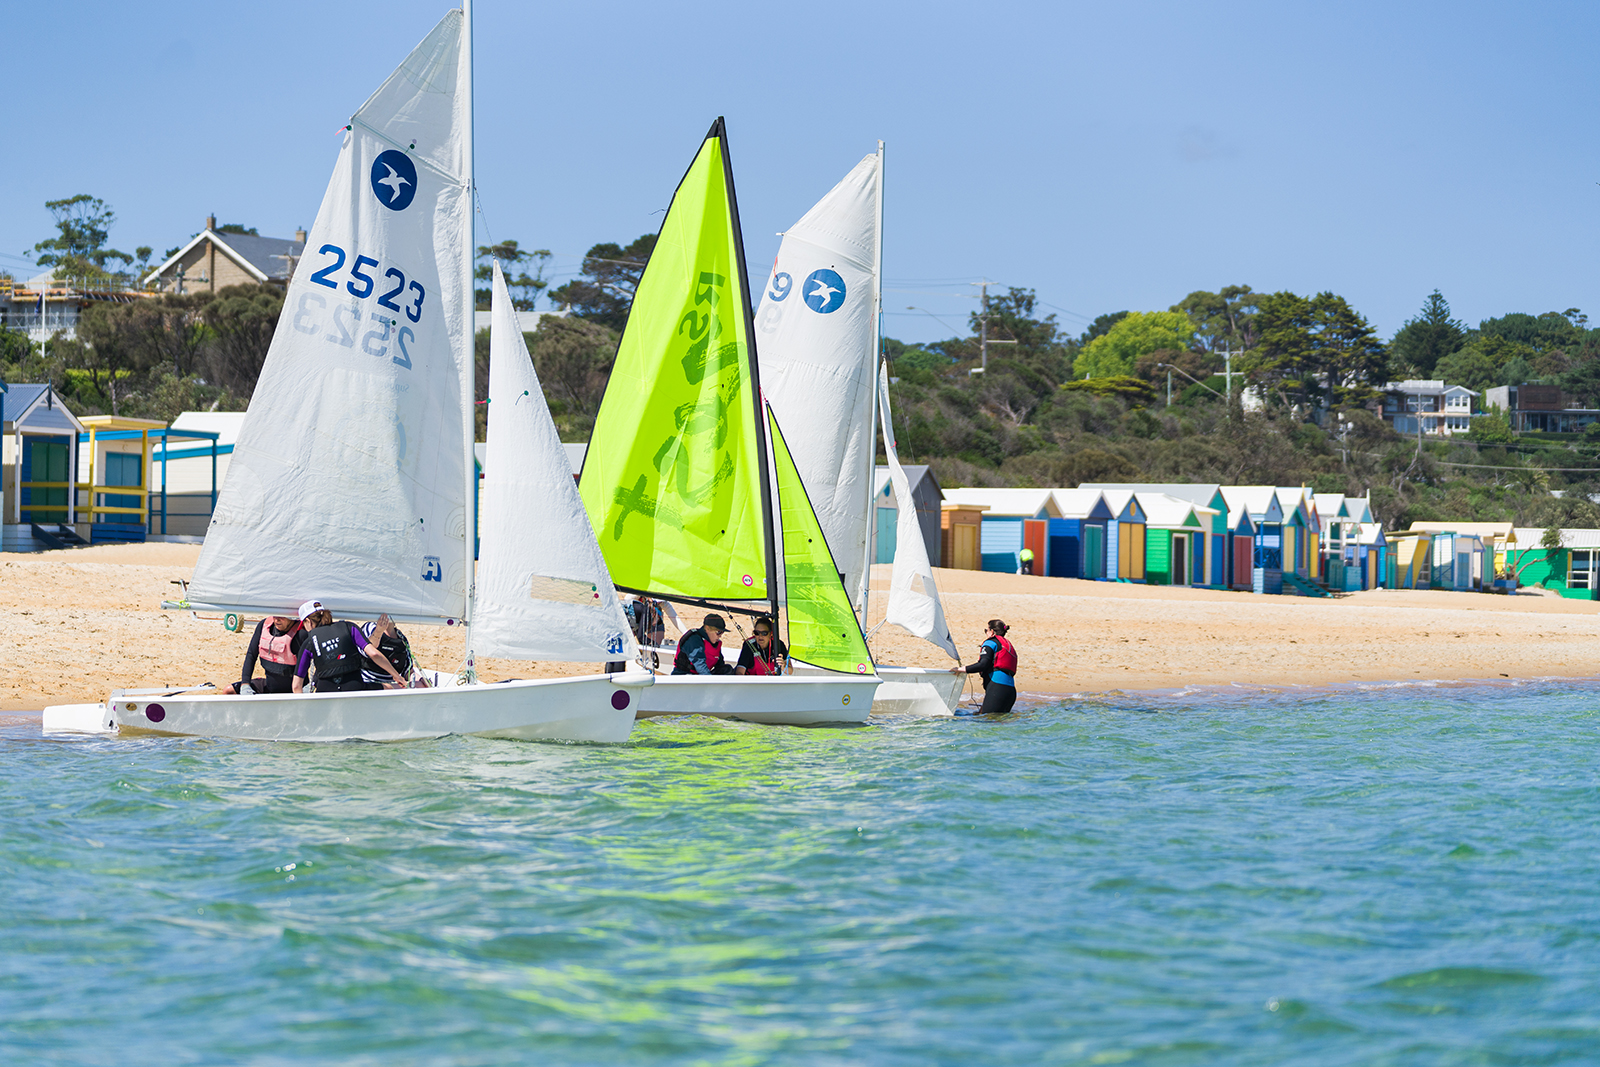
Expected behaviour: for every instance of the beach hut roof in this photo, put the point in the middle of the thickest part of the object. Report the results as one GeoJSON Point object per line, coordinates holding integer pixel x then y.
{"type": "Point", "coordinates": [24, 403]}
{"type": "Point", "coordinates": [1260, 502]}
{"type": "Point", "coordinates": [1500, 531]}
{"type": "Point", "coordinates": [1331, 506]}
{"type": "Point", "coordinates": [1082, 503]}
{"type": "Point", "coordinates": [1297, 499]}
{"type": "Point", "coordinates": [1371, 533]}
{"type": "Point", "coordinates": [1528, 538]}
{"type": "Point", "coordinates": [1011, 503]}
{"type": "Point", "coordinates": [1194, 492]}
{"type": "Point", "coordinates": [1164, 511]}
{"type": "Point", "coordinates": [1359, 508]}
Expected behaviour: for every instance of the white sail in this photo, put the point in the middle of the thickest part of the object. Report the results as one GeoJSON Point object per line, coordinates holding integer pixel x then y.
{"type": "Point", "coordinates": [543, 588]}
{"type": "Point", "coordinates": [913, 596]}
{"type": "Point", "coordinates": [348, 482]}
{"type": "Point", "coordinates": [817, 327]}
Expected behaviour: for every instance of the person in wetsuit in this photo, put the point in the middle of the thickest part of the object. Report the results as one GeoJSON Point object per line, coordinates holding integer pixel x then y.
{"type": "Point", "coordinates": [275, 645]}
{"type": "Point", "coordinates": [765, 653]}
{"type": "Point", "coordinates": [997, 663]}
{"type": "Point", "coordinates": [389, 639]}
{"type": "Point", "coordinates": [700, 651]}
{"type": "Point", "coordinates": [336, 650]}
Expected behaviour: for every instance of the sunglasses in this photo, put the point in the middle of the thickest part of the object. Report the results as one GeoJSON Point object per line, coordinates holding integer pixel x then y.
{"type": "Point", "coordinates": [763, 633]}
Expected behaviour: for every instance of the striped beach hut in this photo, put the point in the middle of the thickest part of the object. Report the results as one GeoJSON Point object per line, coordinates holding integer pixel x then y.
{"type": "Point", "coordinates": [1176, 533]}
{"type": "Point", "coordinates": [1016, 519]}
{"type": "Point", "coordinates": [1299, 532]}
{"type": "Point", "coordinates": [1125, 535]}
{"type": "Point", "coordinates": [1078, 538]}
{"type": "Point", "coordinates": [1260, 503]}
{"type": "Point", "coordinates": [1216, 570]}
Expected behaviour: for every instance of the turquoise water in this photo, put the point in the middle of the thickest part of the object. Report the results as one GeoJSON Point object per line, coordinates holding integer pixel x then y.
{"type": "Point", "coordinates": [1392, 876]}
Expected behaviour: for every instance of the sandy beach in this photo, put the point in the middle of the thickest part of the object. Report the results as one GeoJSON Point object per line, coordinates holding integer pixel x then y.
{"type": "Point", "coordinates": [76, 624]}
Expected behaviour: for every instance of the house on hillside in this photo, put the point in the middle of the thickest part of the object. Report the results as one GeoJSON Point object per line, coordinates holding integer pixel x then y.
{"type": "Point", "coordinates": [1440, 408]}
{"type": "Point", "coordinates": [1540, 408]}
{"type": "Point", "coordinates": [44, 305]}
{"type": "Point", "coordinates": [1015, 519]}
{"type": "Point", "coordinates": [214, 260]}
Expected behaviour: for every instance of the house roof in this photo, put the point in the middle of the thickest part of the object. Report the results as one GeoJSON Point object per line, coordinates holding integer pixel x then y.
{"type": "Point", "coordinates": [915, 472]}
{"type": "Point", "coordinates": [1081, 503]}
{"type": "Point", "coordinates": [1426, 387]}
{"type": "Point", "coordinates": [1194, 492]}
{"type": "Point", "coordinates": [1164, 511]}
{"type": "Point", "coordinates": [264, 258]}
{"type": "Point", "coordinates": [23, 398]}
{"type": "Point", "coordinates": [1026, 503]}
{"type": "Point", "coordinates": [1502, 531]}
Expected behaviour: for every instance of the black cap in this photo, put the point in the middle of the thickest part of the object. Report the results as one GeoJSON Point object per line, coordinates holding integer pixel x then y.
{"type": "Point", "coordinates": [715, 620]}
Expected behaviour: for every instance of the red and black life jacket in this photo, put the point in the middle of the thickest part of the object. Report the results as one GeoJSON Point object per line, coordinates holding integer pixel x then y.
{"type": "Point", "coordinates": [713, 653]}
{"type": "Point", "coordinates": [1005, 657]}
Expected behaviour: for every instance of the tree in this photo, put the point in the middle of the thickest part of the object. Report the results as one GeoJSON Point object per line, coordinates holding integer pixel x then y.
{"type": "Point", "coordinates": [1550, 543]}
{"type": "Point", "coordinates": [610, 275]}
{"type": "Point", "coordinates": [1141, 332]}
{"type": "Point", "coordinates": [1542, 333]}
{"type": "Point", "coordinates": [1315, 345]}
{"type": "Point", "coordinates": [1224, 319]}
{"type": "Point", "coordinates": [241, 320]}
{"type": "Point", "coordinates": [1423, 341]}
{"type": "Point", "coordinates": [524, 287]}
{"type": "Point", "coordinates": [1492, 427]}
{"type": "Point", "coordinates": [574, 358]}
{"type": "Point", "coordinates": [78, 252]}
{"type": "Point", "coordinates": [109, 343]}
{"type": "Point", "coordinates": [1349, 355]}
{"type": "Point", "coordinates": [1470, 367]}
{"type": "Point", "coordinates": [1100, 326]}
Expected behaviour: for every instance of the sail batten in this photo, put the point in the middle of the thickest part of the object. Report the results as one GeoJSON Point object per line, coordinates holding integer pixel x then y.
{"type": "Point", "coordinates": [348, 481]}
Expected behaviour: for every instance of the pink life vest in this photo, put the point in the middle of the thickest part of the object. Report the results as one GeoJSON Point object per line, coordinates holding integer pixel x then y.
{"type": "Point", "coordinates": [275, 647]}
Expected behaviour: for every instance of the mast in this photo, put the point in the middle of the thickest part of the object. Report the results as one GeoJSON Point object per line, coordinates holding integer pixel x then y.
{"type": "Point", "coordinates": [872, 435]}
{"type": "Point", "coordinates": [468, 382]}
{"type": "Point", "coordinates": [763, 446]}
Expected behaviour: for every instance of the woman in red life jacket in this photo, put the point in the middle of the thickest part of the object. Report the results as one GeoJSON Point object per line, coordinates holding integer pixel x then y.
{"type": "Point", "coordinates": [700, 651]}
{"type": "Point", "coordinates": [765, 653]}
{"type": "Point", "coordinates": [275, 644]}
{"type": "Point", "coordinates": [997, 662]}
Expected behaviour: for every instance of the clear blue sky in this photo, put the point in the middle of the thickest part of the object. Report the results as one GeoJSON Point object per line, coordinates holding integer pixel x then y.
{"type": "Point", "coordinates": [1110, 156]}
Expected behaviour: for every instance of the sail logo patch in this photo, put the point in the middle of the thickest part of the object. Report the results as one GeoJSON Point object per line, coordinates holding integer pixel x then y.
{"type": "Point", "coordinates": [823, 291]}
{"type": "Point", "coordinates": [432, 571]}
{"type": "Point", "coordinates": [394, 179]}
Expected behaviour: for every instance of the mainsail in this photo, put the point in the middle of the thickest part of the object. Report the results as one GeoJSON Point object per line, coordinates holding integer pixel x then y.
{"type": "Point", "coordinates": [674, 480]}
{"type": "Point", "coordinates": [817, 327]}
{"type": "Point", "coordinates": [823, 630]}
{"type": "Point", "coordinates": [348, 482]}
{"type": "Point", "coordinates": [543, 590]}
{"type": "Point", "coordinates": [913, 596]}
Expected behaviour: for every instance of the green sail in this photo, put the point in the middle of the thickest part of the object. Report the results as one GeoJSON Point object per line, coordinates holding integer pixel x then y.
{"type": "Point", "coordinates": [672, 481]}
{"type": "Point", "coordinates": [822, 627]}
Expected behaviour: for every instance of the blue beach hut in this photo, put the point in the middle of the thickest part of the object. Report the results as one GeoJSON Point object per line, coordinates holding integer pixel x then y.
{"type": "Point", "coordinates": [1261, 504]}
{"type": "Point", "coordinates": [1125, 536]}
{"type": "Point", "coordinates": [1078, 538]}
{"type": "Point", "coordinates": [1017, 518]}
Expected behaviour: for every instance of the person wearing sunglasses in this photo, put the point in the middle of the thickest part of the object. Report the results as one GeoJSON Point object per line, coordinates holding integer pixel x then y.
{"type": "Point", "coordinates": [997, 663]}
{"type": "Point", "coordinates": [765, 653]}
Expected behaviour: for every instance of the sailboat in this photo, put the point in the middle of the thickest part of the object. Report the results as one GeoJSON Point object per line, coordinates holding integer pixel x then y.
{"type": "Point", "coordinates": [353, 478]}
{"type": "Point", "coordinates": [819, 326]}
{"type": "Point", "coordinates": [690, 485]}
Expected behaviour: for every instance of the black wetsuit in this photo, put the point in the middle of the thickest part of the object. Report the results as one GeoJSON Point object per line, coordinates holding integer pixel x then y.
{"type": "Point", "coordinates": [999, 693]}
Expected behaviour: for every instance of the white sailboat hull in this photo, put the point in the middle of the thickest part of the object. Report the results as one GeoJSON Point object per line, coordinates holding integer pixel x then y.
{"type": "Point", "coordinates": [589, 708]}
{"type": "Point", "coordinates": [793, 700]}
{"type": "Point", "coordinates": [917, 691]}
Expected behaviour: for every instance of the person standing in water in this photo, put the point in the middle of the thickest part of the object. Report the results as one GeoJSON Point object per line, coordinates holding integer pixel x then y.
{"type": "Point", "coordinates": [997, 663]}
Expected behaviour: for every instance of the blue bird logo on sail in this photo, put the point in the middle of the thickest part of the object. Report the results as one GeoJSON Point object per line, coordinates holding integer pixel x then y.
{"type": "Point", "coordinates": [394, 179]}
{"type": "Point", "coordinates": [823, 291]}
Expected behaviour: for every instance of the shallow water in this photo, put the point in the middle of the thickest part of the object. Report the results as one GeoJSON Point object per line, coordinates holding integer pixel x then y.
{"type": "Point", "coordinates": [1400, 875]}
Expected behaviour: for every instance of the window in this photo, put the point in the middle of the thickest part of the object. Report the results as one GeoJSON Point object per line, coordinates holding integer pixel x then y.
{"type": "Point", "coordinates": [1581, 567]}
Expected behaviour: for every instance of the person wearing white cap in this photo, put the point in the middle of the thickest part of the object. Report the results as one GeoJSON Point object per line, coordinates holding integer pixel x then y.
{"type": "Point", "coordinates": [336, 650]}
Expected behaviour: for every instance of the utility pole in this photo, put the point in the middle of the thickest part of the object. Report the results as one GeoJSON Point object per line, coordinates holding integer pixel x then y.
{"type": "Point", "coordinates": [983, 328]}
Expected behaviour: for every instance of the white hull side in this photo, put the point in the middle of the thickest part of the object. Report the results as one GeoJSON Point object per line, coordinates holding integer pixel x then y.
{"type": "Point", "coordinates": [918, 691]}
{"type": "Point", "coordinates": [589, 708]}
{"type": "Point", "coordinates": [804, 700]}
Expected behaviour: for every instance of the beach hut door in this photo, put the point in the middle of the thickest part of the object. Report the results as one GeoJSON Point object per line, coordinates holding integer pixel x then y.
{"type": "Point", "coordinates": [1180, 559]}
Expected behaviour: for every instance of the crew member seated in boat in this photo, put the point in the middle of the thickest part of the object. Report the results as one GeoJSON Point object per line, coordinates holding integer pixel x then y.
{"type": "Point", "coordinates": [765, 653]}
{"type": "Point", "coordinates": [391, 641]}
{"type": "Point", "coordinates": [997, 662]}
{"type": "Point", "coordinates": [276, 645]}
{"type": "Point", "coordinates": [700, 651]}
{"type": "Point", "coordinates": [336, 650]}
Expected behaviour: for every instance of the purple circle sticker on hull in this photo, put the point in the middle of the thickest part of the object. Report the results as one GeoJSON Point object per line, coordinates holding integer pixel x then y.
{"type": "Point", "coordinates": [155, 712]}
{"type": "Point", "coordinates": [620, 699]}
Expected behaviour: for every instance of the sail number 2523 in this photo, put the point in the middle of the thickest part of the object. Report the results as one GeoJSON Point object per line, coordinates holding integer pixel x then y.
{"type": "Point", "coordinates": [361, 282]}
